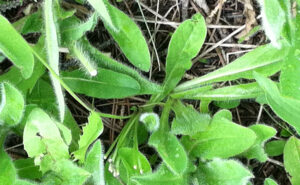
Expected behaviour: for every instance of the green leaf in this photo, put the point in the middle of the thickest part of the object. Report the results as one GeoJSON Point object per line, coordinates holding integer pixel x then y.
{"type": "Point", "coordinates": [26, 169]}
{"type": "Point", "coordinates": [94, 164]}
{"type": "Point", "coordinates": [266, 60]}
{"type": "Point", "coordinates": [71, 29]}
{"type": "Point", "coordinates": [223, 138]}
{"type": "Point", "coordinates": [12, 105]}
{"type": "Point", "coordinates": [263, 133]}
{"type": "Point", "coordinates": [91, 132]}
{"type": "Point", "coordinates": [14, 47]}
{"type": "Point", "coordinates": [273, 17]}
{"type": "Point", "coordinates": [134, 162]}
{"type": "Point", "coordinates": [162, 176]}
{"type": "Point", "coordinates": [107, 84]}
{"type": "Point", "coordinates": [101, 8]}
{"type": "Point", "coordinates": [170, 150]}
{"type": "Point", "coordinates": [42, 140]}
{"type": "Point", "coordinates": [33, 23]}
{"type": "Point", "coordinates": [23, 182]}
{"type": "Point", "coordinates": [129, 37]}
{"type": "Point", "coordinates": [289, 77]}
{"type": "Point", "coordinates": [291, 158]}
{"type": "Point", "coordinates": [286, 108]}
{"type": "Point", "coordinates": [52, 51]}
{"type": "Point", "coordinates": [103, 61]}
{"type": "Point", "coordinates": [69, 173]}
{"type": "Point", "coordinates": [223, 172]}
{"type": "Point", "coordinates": [188, 121]}
{"type": "Point", "coordinates": [227, 104]}
{"type": "Point", "coordinates": [275, 148]}
{"type": "Point", "coordinates": [185, 44]}
{"type": "Point", "coordinates": [64, 132]}
{"type": "Point", "coordinates": [234, 92]}
{"type": "Point", "coordinates": [8, 171]}
{"type": "Point", "coordinates": [270, 181]}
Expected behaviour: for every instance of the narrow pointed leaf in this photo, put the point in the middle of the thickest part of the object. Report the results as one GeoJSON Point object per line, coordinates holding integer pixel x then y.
{"type": "Point", "coordinates": [185, 44]}
{"type": "Point", "coordinates": [51, 44]}
{"type": "Point", "coordinates": [264, 59]}
{"type": "Point", "coordinates": [129, 37]}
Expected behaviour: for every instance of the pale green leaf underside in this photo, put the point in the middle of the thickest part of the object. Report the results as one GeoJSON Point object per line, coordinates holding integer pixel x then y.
{"type": "Point", "coordinates": [291, 157]}
{"type": "Point", "coordinates": [52, 51]}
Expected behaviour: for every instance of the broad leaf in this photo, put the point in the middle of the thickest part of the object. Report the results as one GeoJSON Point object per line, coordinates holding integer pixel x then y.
{"type": "Point", "coordinates": [107, 84]}
{"type": "Point", "coordinates": [291, 156]}
{"type": "Point", "coordinates": [42, 140]}
{"type": "Point", "coordinates": [14, 47]}
{"type": "Point", "coordinates": [170, 150]}
{"type": "Point", "coordinates": [51, 44]}
{"type": "Point", "coordinates": [185, 44]}
{"type": "Point", "coordinates": [162, 176]}
{"type": "Point", "coordinates": [263, 133]}
{"type": "Point", "coordinates": [289, 77]}
{"type": "Point", "coordinates": [91, 132]}
{"type": "Point", "coordinates": [266, 60]}
{"type": "Point", "coordinates": [222, 138]}
{"type": "Point", "coordinates": [69, 173]}
{"type": "Point", "coordinates": [286, 108]}
{"type": "Point", "coordinates": [94, 164]}
{"type": "Point", "coordinates": [188, 121]}
{"type": "Point", "coordinates": [134, 162]}
{"type": "Point", "coordinates": [12, 105]}
{"type": "Point", "coordinates": [275, 148]}
{"type": "Point", "coordinates": [223, 172]}
{"type": "Point", "coordinates": [273, 17]}
{"type": "Point", "coordinates": [128, 36]}
{"type": "Point", "coordinates": [8, 171]}
{"type": "Point", "coordinates": [33, 23]}
{"type": "Point", "coordinates": [269, 181]}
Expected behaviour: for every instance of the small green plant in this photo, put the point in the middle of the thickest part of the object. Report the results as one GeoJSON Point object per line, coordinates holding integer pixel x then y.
{"type": "Point", "coordinates": [195, 147]}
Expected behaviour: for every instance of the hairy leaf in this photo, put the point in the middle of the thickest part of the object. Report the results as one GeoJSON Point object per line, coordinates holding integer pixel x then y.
{"type": "Point", "coordinates": [223, 172]}
{"type": "Point", "coordinates": [94, 164]}
{"type": "Point", "coordinates": [188, 121]}
{"type": "Point", "coordinates": [52, 51]}
{"type": "Point", "coordinates": [223, 138]}
{"type": "Point", "coordinates": [170, 150]}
